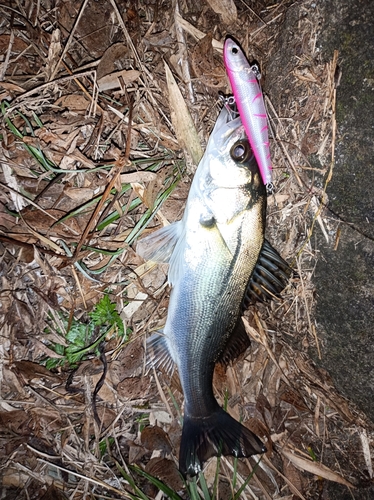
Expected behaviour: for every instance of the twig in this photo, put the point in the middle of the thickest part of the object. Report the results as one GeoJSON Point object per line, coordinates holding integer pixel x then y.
{"type": "Point", "coordinates": [183, 55]}
{"type": "Point", "coordinates": [4, 65]}
{"type": "Point", "coordinates": [99, 384]}
{"type": "Point", "coordinates": [20, 100]}
{"type": "Point", "coordinates": [81, 476]}
{"type": "Point", "coordinates": [299, 181]}
{"type": "Point", "coordinates": [118, 165]}
{"type": "Point", "coordinates": [67, 45]}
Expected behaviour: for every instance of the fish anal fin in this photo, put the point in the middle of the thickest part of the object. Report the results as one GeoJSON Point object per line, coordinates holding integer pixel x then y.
{"type": "Point", "coordinates": [159, 245]}
{"type": "Point", "coordinates": [269, 277]}
{"type": "Point", "coordinates": [237, 343]}
{"type": "Point", "coordinates": [217, 434]}
{"type": "Point", "coordinates": [158, 355]}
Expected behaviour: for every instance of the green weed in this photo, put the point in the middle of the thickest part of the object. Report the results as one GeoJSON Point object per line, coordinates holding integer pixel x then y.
{"type": "Point", "coordinates": [82, 339]}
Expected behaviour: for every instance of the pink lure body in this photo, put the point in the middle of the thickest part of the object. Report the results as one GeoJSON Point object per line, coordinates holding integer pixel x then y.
{"type": "Point", "coordinates": [251, 107]}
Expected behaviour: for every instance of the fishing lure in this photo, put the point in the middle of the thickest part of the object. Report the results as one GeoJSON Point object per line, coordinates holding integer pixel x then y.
{"type": "Point", "coordinates": [250, 104]}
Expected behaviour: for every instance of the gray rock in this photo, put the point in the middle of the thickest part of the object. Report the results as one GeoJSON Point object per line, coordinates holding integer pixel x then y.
{"type": "Point", "coordinates": [345, 277]}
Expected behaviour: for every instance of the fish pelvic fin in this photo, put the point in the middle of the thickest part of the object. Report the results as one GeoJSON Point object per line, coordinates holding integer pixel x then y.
{"type": "Point", "coordinates": [158, 355]}
{"type": "Point", "coordinates": [218, 434]}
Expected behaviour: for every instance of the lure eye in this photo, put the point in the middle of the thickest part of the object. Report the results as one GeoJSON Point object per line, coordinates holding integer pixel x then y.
{"type": "Point", "coordinates": [235, 50]}
{"type": "Point", "coordinates": [241, 151]}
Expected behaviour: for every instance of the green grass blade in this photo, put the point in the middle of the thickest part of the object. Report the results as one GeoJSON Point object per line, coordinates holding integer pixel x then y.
{"type": "Point", "coordinates": [192, 487]}
{"type": "Point", "coordinates": [173, 495]}
{"type": "Point", "coordinates": [130, 480]}
{"type": "Point", "coordinates": [204, 487]}
{"type": "Point", "coordinates": [246, 482]}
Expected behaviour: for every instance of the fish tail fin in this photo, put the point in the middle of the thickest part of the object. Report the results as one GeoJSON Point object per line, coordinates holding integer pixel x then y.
{"type": "Point", "coordinates": [218, 434]}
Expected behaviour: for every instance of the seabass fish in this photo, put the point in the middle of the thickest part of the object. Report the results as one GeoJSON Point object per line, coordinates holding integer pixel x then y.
{"type": "Point", "coordinates": [215, 265]}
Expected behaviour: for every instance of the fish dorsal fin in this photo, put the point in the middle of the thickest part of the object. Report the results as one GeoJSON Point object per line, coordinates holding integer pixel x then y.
{"type": "Point", "coordinates": [237, 343]}
{"type": "Point", "coordinates": [159, 245]}
{"type": "Point", "coordinates": [158, 354]}
{"type": "Point", "coordinates": [269, 277]}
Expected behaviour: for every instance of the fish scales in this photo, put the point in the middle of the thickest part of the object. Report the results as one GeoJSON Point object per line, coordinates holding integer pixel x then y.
{"type": "Point", "coordinates": [212, 253]}
{"type": "Point", "coordinates": [214, 309]}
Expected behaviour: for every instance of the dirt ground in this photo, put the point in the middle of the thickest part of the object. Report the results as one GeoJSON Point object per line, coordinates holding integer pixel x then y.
{"type": "Point", "coordinates": [98, 147]}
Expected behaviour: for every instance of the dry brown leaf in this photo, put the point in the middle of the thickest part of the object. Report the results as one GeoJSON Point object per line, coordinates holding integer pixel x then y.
{"type": "Point", "coordinates": [165, 470]}
{"type": "Point", "coordinates": [314, 467]}
{"type": "Point", "coordinates": [9, 90]}
{"type": "Point", "coordinates": [73, 102]}
{"type": "Point", "coordinates": [226, 8]}
{"type": "Point", "coordinates": [117, 80]}
{"type": "Point", "coordinates": [79, 193]}
{"type": "Point", "coordinates": [131, 360]}
{"type": "Point", "coordinates": [293, 474]}
{"type": "Point", "coordinates": [53, 493]}
{"type": "Point", "coordinates": [45, 222]}
{"type": "Point", "coordinates": [154, 437]}
{"type": "Point", "coordinates": [13, 477]}
{"type": "Point", "coordinates": [114, 58]}
{"type": "Point", "coordinates": [63, 141]}
{"type": "Point", "coordinates": [29, 373]}
{"type": "Point", "coordinates": [142, 176]}
{"type": "Point", "coordinates": [12, 87]}
{"type": "Point", "coordinates": [135, 304]}
{"type": "Point", "coordinates": [195, 32]}
{"type": "Point", "coordinates": [180, 116]}
{"type": "Point", "coordinates": [305, 75]}
{"type": "Point", "coordinates": [278, 199]}
{"type": "Point", "coordinates": [210, 70]}
{"type": "Point", "coordinates": [16, 421]}
{"type": "Point", "coordinates": [366, 451]}
{"type": "Point", "coordinates": [53, 54]}
{"type": "Point", "coordinates": [133, 388]}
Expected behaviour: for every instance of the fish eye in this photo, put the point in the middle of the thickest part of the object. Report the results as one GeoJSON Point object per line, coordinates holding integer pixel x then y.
{"type": "Point", "coordinates": [241, 151]}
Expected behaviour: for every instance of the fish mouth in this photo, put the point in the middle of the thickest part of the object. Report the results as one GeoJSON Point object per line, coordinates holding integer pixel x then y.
{"type": "Point", "coordinates": [227, 131]}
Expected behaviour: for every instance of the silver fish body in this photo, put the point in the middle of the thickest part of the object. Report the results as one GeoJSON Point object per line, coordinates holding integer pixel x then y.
{"type": "Point", "coordinates": [212, 253]}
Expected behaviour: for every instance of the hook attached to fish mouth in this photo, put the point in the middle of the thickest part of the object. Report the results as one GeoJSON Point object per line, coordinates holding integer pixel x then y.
{"type": "Point", "coordinates": [229, 104]}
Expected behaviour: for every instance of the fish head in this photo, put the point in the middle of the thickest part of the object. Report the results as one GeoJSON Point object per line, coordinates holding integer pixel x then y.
{"type": "Point", "coordinates": [230, 158]}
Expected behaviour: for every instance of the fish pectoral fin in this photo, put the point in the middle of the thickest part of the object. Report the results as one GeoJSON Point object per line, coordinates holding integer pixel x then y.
{"type": "Point", "coordinates": [218, 434]}
{"type": "Point", "coordinates": [269, 277]}
{"type": "Point", "coordinates": [158, 355]}
{"type": "Point", "coordinates": [237, 343]}
{"type": "Point", "coordinates": [159, 245]}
